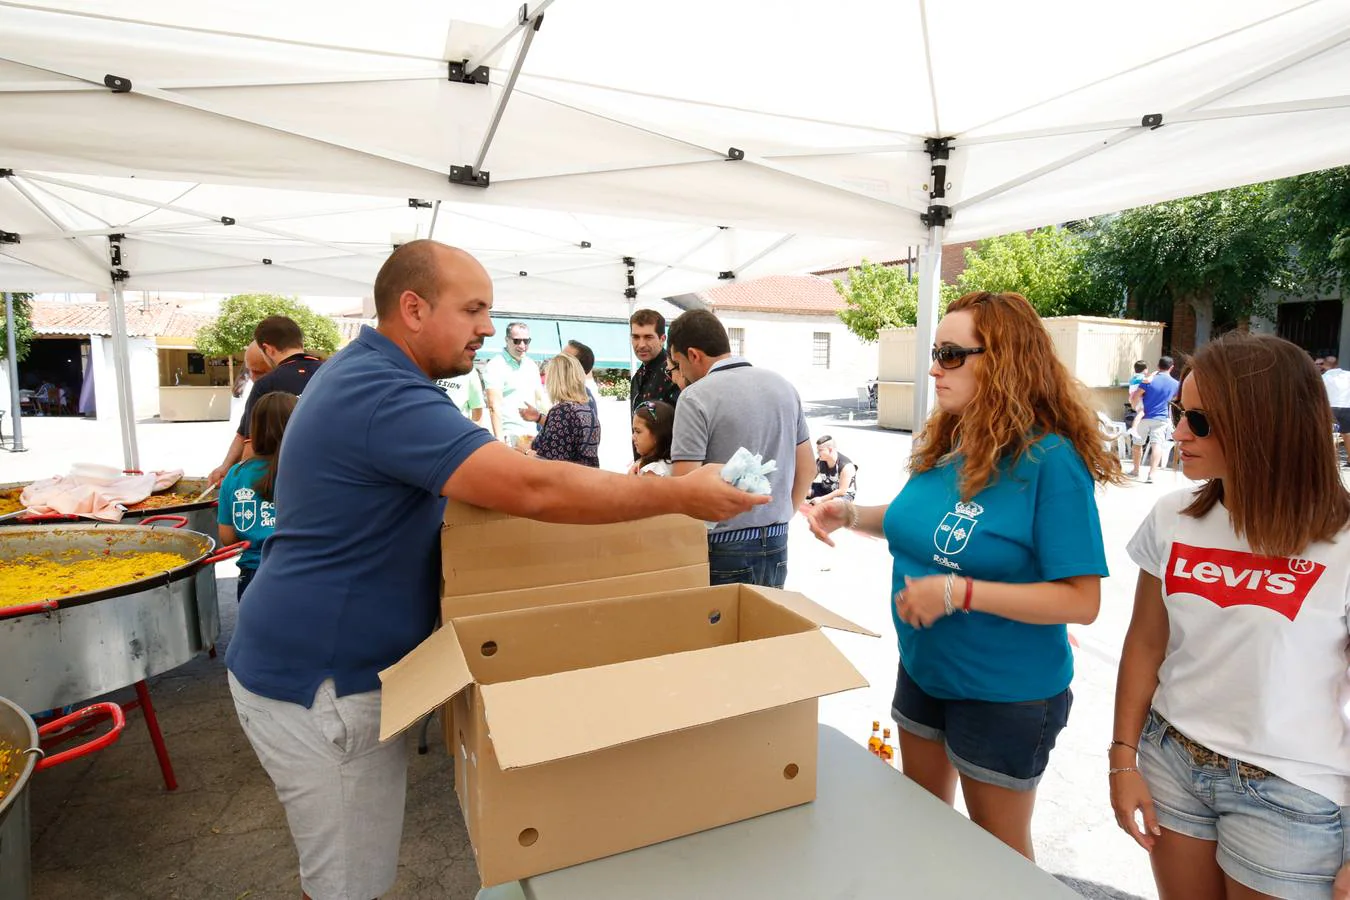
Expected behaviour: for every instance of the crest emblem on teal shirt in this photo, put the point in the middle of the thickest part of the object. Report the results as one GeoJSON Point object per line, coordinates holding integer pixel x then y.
{"type": "Point", "coordinates": [953, 532]}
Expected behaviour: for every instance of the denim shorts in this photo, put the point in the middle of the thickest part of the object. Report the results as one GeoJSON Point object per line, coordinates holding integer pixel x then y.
{"type": "Point", "coordinates": [1004, 744]}
{"type": "Point", "coordinates": [1273, 836]}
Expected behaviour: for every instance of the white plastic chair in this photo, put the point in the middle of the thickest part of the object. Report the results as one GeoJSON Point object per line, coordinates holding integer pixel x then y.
{"type": "Point", "coordinates": [1113, 433]}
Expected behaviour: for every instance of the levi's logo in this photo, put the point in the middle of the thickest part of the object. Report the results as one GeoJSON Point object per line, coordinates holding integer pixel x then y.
{"type": "Point", "coordinates": [1236, 578]}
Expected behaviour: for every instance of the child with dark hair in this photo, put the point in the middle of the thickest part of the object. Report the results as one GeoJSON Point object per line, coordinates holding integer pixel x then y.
{"type": "Point", "coordinates": [653, 424]}
{"type": "Point", "coordinates": [247, 511]}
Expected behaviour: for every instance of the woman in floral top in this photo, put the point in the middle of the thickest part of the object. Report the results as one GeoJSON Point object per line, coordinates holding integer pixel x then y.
{"type": "Point", "coordinates": [570, 431]}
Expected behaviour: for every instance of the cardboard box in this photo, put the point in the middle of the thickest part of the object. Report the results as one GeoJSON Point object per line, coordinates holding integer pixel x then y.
{"type": "Point", "coordinates": [491, 561]}
{"type": "Point", "coordinates": [586, 729]}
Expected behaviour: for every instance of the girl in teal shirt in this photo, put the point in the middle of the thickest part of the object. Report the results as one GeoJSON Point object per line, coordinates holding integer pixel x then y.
{"type": "Point", "coordinates": [246, 511]}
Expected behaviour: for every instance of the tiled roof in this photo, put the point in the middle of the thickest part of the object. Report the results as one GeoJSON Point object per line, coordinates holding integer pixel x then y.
{"type": "Point", "coordinates": [795, 294]}
{"type": "Point", "coordinates": [153, 320]}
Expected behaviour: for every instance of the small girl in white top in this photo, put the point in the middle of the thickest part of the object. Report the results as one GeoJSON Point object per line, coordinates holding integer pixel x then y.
{"type": "Point", "coordinates": [1232, 721]}
{"type": "Point", "coordinates": [653, 424]}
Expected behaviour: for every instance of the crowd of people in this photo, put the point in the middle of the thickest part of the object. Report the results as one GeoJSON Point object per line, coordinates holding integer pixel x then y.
{"type": "Point", "coordinates": [1230, 757]}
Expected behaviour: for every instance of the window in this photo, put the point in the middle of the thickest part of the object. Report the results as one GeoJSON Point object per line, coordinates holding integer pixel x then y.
{"type": "Point", "coordinates": [737, 338]}
{"type": "Point", "coordinates": [820, 349]}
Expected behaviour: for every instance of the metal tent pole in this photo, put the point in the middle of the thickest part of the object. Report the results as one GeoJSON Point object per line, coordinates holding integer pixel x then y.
{"type": "Point", "coordinates": [126, 406]}
{"type": "Point", "coordinates": [12, 357]}
{"type": "Point", "coordinates": [930, 291]}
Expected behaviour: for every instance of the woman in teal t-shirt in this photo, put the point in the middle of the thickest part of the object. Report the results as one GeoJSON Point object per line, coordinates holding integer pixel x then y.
{"type": "Point", "coordinates": [995, 546]}
{"type": "Point", "coordinates": [247, 512]}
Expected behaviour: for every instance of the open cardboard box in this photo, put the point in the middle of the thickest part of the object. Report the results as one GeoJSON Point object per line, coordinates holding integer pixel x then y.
{"type": "Point", "coordinates": [491, 561]}
{"type": "Point", "coordinates": [586, 729]}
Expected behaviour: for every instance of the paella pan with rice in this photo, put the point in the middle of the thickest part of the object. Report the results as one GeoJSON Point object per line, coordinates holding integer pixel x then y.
{"type": "Point", "coordinates": [33, 578]}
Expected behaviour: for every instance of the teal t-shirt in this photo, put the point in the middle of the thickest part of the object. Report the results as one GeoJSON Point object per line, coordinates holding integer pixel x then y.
{"type": "Point", "coordinates": [1036, 522]}
{"type": "Point", "coordinates": [252, 518]}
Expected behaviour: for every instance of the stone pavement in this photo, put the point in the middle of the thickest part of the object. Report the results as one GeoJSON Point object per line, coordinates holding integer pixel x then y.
{"type": "Point", "coordinates": [105, 827]}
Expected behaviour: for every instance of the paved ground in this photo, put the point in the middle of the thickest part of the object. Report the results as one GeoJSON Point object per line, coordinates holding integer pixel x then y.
{"type": "Point", "coordinates": [105, 827]}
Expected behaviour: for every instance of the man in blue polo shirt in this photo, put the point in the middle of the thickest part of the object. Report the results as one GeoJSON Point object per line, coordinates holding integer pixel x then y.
{"type": "Point", "coordinates": [348, 582]}
{"type": "Point", "coordinates": [1156, 424]}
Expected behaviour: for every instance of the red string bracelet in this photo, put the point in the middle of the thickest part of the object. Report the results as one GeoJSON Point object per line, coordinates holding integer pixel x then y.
{"type": "Point", "coordinates": [970, 592]}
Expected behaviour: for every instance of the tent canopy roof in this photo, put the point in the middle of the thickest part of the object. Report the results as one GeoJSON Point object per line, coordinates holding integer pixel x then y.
{"type": "Point", "coordinates": [619, 111]}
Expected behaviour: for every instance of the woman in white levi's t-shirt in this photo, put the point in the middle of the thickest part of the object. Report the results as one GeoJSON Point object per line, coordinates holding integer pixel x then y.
{"type": "Point", "coordinates": [1232, 720]}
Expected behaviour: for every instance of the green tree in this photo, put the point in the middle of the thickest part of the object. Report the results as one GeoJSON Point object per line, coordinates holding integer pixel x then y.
{"type": "Point", "coordinates": [23, 327]}
{"type": "Point", "coordinates": [232, 330]}
{"type": "Point", "coordinates": [1218, 252]}
{"type": "Point", "coordinates": [1048, 266]}
{"type": "Point", "coordinates": [881, 297]}
{"type": "Point", "coordinates": [1315, 208]}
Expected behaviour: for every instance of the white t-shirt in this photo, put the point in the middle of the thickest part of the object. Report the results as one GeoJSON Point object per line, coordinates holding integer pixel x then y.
{"type": "Point", "coordinates": [519, 384]}
{"type": "Point", "coordinates": [1258, 654]}
{"type": "Point", "coordinates": [661, 467]}
{"type": "Point", "coordinates": [1338, 387]}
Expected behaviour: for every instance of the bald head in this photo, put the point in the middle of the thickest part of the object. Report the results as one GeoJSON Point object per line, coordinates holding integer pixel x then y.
{"type": "Point", "coordinates": [423, 267]}
{"type": "Point", "coordinates": [256, 362]}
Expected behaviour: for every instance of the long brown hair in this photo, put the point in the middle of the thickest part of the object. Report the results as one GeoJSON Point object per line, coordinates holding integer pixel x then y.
{"type": "Point", "coordinates": [1023, 393]}
{"type": "Point", "coordinates": [270, 415]}
{"type": "Point", "coordinates": [1268, 409]}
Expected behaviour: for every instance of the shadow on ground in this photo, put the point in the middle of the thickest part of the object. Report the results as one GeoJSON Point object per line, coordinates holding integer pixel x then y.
{"type": "Point", "coordinates": [104, 826]}
{"type": "Point", "coordinates": [1094, 890]}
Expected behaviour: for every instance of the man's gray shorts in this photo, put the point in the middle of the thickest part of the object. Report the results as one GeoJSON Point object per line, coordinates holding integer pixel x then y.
{"type": "Point", "coordinates": [342, 789]}
{"type": "Point", "coordinates": [1144, 428]}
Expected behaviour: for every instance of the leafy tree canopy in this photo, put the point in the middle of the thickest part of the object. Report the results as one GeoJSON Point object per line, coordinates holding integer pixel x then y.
{"type": "Point", "coordinates": [232, 330]}
{"type": "Point", "coordinates": [881, 297]}
{"type": "Point", "coordinates": [1315, 208]}
{"type": "Point", "coordinates": [1048, 266]}
{"type": "Point", "coordinates": [23, 327]}
{"type": "Point", "coordinates": [1223, 246]}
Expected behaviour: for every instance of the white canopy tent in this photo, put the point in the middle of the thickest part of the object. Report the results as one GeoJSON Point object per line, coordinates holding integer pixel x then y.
{"type": "Point", "coordinates": [899, 121]}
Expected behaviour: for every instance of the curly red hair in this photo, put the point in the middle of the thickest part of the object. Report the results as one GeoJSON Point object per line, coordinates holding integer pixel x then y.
{"type": "Point", "coordinates": [1023, 393]}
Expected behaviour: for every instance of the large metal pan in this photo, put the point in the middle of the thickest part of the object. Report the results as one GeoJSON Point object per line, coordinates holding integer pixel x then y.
{"type": "Point", "coordinates": [20, 735]}
{"type": "Point", "coordinates": [201, 518]}
{"type": "Point", "coordinates": [57, 652]}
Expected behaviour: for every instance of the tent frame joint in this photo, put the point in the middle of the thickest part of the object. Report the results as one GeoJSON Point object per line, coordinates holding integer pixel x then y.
{"type": "Point", "coordinates": [726, 275]}
{"type": "Point", "coordinates": [117, 84]}
{"type": "Point", "coordinates": [414, 203]}
{"type": "Point", "coordinates": [459, 73]}
{"type": "Point", "coordinates": [469, 176]}
{"type": "Point", "coordinates": [1152, 121]}
{"type": "Point", "coordinates": [937, 216]}
{"type": "Point", "coordinates": [10, 237]}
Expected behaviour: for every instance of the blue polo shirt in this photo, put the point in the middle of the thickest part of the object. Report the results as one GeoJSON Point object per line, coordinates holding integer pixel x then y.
{"type": "Point", "coordinates": [1037, 522]}
{"type": "Point", "coordinates": [1157, 394]}
{"type": "Point", "coordinates": [349, 580]}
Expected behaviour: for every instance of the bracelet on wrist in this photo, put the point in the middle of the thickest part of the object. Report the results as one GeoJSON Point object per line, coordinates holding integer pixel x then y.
{"type": "Point", "coordinates": [1114, 744]}
{"type": "Point", "coordinates": [947, 594]}
{"type": "Point", "coordinates": [1122, 769]}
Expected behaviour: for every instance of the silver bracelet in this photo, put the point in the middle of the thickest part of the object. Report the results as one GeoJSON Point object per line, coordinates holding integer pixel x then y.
{"type": "Point", "coordinates": [1121, 769]}
{"type": "Point", "coordinates": [947, 594]}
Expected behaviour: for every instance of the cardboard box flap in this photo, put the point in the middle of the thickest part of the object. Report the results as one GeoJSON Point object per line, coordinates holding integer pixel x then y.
{"type": "Point", "coordinates": [431, 674]}
{"type": "Point", "coordinates": [809, 609]}
{"type": "Point", "coordinates": [538, 720]}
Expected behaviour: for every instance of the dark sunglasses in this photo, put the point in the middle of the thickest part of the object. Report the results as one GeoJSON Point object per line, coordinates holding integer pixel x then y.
{"type": "Point", "coordinates": [525, 341]}
{"type": "Point", "coordinates": [649, 406]}
{"type": "Point", "coordinates": [1196, 419]}
{"type": "Point", "coordinates": [953, 357]}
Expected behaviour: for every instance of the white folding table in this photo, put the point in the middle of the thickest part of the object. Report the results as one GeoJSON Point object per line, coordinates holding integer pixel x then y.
{"type": "Point", "coordinates": [871, 833]}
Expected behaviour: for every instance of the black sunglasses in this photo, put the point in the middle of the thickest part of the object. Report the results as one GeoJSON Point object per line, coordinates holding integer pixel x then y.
{"type": "Point", "coordinates": [953, 357]}
{"type": "Point", "coordinates": [1196, 419]}
{"type": "Point", "coordinates": [525, 341]}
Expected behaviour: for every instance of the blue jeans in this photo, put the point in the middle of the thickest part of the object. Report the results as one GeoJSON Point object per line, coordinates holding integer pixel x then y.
{"type": "Point", "coordinates": [245, 576]}
{"type": "Point", "coordinates": [761, 560]}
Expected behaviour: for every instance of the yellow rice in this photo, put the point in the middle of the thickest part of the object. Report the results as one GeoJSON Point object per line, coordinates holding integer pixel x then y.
{"type": "Point", "coordinates": [30, 579]}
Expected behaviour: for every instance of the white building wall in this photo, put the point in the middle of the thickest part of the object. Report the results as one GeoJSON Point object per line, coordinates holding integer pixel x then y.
{"type": "Point", "coordinates": [784, 343]}
{"type": "Point", "coordinates": [144, 376]}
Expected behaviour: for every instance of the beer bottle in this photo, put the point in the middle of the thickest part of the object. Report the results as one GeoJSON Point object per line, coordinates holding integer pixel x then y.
{"type": "Point", "coordinates": [887, 750]}
{"type": "Point", "coordinates": [874, 742]}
